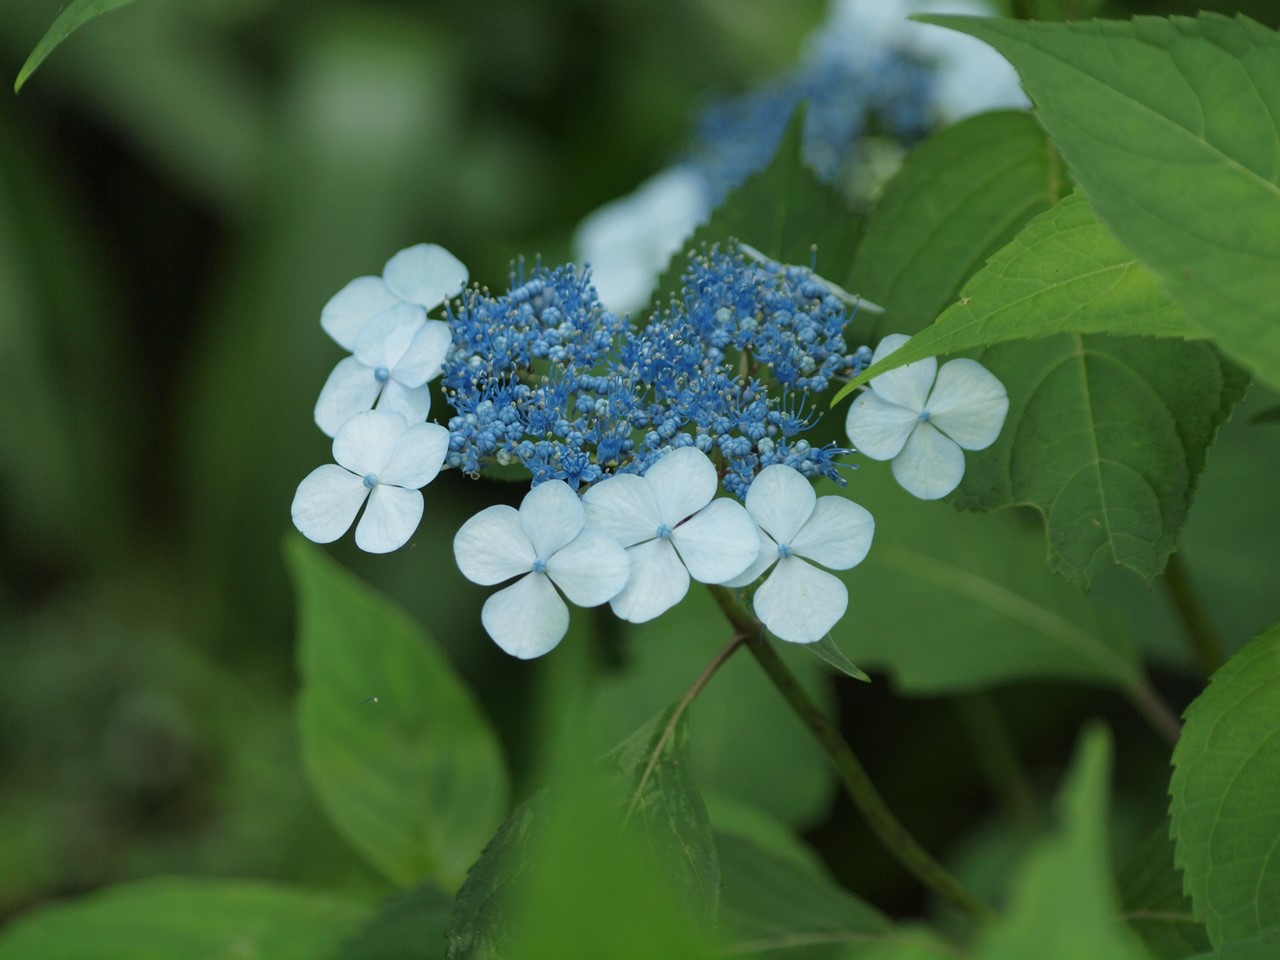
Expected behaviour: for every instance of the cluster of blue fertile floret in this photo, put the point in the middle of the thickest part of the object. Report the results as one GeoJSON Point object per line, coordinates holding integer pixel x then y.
{"type": "Point", "coordinates": [546, 378]}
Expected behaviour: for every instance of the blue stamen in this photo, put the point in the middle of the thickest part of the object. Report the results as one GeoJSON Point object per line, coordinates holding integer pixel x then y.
{"type": "Point", "coordinates": [664, 532]}
{"type": "Point", "coordinates": [784, 551]}
{"type": "Point", "coordinates": [381, 374]}
{"type": "Point", "coordinates": [539, 566]}
{"type": "Point", "coordinates": [924, 416]}
{"type": "Point", "coordinates": [370, 479]}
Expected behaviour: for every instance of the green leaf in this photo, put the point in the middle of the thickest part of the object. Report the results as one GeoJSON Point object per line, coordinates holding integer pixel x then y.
{"type": "Point", "coordinates": [770, 903]}
{"type": "Point", "coordinates": [409, 926]}
{"type": "Point", "coordinates": [1106, 437]}
{"type": "Point", "coordinates": [185, 919]}
{"type": "Point", "coordinates": [75, 16]}
{"type": "Point", "coordinates": [784, 211]}
{"type": "Point", "coordinates": [1062, 273]}
{"type": "Point", "coordinates": [662, 803]}
{"type": "Point", "coordinates": [399, 753]}
{"type": "Point", "coordinates": [1226, 779]}
{"type": "Point", "coordinates": [1172, 129]}
{"type": "Point", "coordinates": [949, 601]}
{"type": "Point", "coordinates": [1063, 903]}
{"type": "Point", "coordinates": [1264, 947]}
{"type": "Point", "coordinates": [1154, 905]}
{"type": "Point", "coordinates": [960, 196]}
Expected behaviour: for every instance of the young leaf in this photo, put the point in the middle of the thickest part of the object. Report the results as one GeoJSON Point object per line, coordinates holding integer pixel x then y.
{"type": "Point", "coordinates": [1106, 437]}
{"type": "Point", "coordinates": [1172, 128]}
{"type": "Point", "coordinates": [1154, 905]}
{"type": "Point", "coordinates": [950, 602]}
{"type": "Point", "coordinates": [784, 211]}
{"type": "Point", "coordinates": [1062, 273]}
{"type": "Point", "coordinates": [653, 768]}
{"type": "Point", "coordinates": [75, 16]}
{"type": "Point", "coordinates": [1226, 779]}
{"type": "Point", "coordinates": [1063, 902]}
{"type": "Point", "coordinates": [960, 196]}
{"type": "Point", "coordinates": [830, 653]}
{"type": "Point", "coordinates": [399, 753]}
{"type": "Point", "coordinates": [409, 926]}
{"type": "Point", "coordinates": [185, 919]}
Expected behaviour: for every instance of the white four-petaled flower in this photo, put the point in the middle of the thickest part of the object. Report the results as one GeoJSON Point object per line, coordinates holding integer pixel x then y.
{"type": "Point", "coordinates": [920, 416]}
{"type": "Point", "coordinates": [799, 602]}
{"type": "Point", "coordinates": [547, 543]}
{"type": "Point", "coordinates": [381, 458]}
{"type": "Point", "coordinates": [383, 321]}
{"type": "Point", "coordinates": [673, 530]}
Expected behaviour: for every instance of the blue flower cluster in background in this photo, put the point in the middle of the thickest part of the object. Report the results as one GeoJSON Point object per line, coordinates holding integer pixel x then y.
{"type": "Point", "coordinates": [546, 378]}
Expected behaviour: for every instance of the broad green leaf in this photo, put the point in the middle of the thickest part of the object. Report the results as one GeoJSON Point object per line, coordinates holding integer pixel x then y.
{"type": "Point", "coordinates": [1153, 902]}
{"type": "Point", "coordinates": [185, 919]}
{"type": "Point", "coordinates": [409, 926]}
{"type": "Point", "coordinates": [770, 903]}
{"type": "Point", "coordinates": [784, 211]}
{"type": "Point", "coordinates": [1225, 782]}
{"type": "Point", "coordinates": [403, 761]}
{"type": "Point", "coordinates": [654, 770]}
{"type": "Point", "coordinates": [1172, 129]}
{"type": "Point", "coordinates": [748, 744]}
{"type": "Point", "coordinates": [75, 16]}
{"type": "Point", "coordinates": [960, 196]}
{"type": "Point", "coordinates": [1263, 947]}
{"type": "Point", "coordinates": [1063, 903]}
{"type": "Point", "coordinates": [1106, 437]}
{"type": "Point", "coordinates": [1062, 273]}
{"type": "Point", "coordinates": [949, 601]}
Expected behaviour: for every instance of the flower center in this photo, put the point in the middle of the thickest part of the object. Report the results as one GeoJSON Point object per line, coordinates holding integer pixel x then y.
{"type": "Point", "coordinates": [370, 479]}
{"type": "Point", "coordinates": [924, 416]}
{"type": "Point", "coordinates": [664, 532]}
{"type": "Point", "coordinates": [784, 551]}
{"type": "Point", "coordinates": [539, 566]}
{"type": "Point", "coordinates": [381, 374]}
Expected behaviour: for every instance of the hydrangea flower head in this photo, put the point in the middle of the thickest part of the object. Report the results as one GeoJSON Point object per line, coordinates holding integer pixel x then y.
{"type": "Point", "coordinates": [923, 418]}
{"type": "Point", "coordinates": [380, 458]}
{"type": "Point", "coordinates": [673, 530]}
{"type": "Point", "coordinates": [546, 544]}
{"type": "Point", "coordinates": [383, 321]}
{"type": "Point", "coordinates": [798, 601]}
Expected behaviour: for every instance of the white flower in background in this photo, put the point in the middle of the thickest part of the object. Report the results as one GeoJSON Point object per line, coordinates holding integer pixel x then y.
{"type": "Point", "coordinates": [970, 76]}
{"type": "Point", "coordinates": [920, 416]}
{"type": "Point", "coordinates": [799, 602]}
{"type": "Point", "coordinates": [628, 242]}
{"type": "Point", "coordinates": [381, 458]}
{"type": "Point", "coordinates": [383, 321]}
{"type": "Point", "coordinates": [673, 530]}
{"type": "Point", "coordinates": [547, 543]}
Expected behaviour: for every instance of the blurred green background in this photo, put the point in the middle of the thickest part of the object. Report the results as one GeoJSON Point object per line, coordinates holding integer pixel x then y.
{"type": "Point", "coordinates": [182, 186]}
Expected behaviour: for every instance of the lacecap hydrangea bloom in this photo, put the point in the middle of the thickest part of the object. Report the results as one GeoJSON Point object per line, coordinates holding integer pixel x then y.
{"type": "Point", "coordinates": [658, 454]}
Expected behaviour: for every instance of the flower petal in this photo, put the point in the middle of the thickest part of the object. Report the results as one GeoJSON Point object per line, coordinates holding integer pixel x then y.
{"type": "Point", "coordinates": [412, 403]}
{"type": "Point", "coordinates": [350, 389]}
{"type": "Point", "coordinates": [765, 557]}
{"type": "Point", "coordinates": [425, 274]}
{"type": "Point", "coordinates": [799, 602]}
{"type": "Point", "coordinates": [718, 542]}
{"type": "Point", "coordinates": [878, 428]}
{"type": "Point", "coordinates": [624, 506]}
{"type": "Point", "coordinates": [838, 535]}
{"type": "Point", "coordinates": [780, 500]}
{"type": "Point", "coordinates": [387, 336]}
{"type": "Point", "coordinates": [968, 404]}
{"type": "Point", "coordinates": [417, 456]}
{"type": "Point", "coordinates": [552, 515]}
{"type": "Point", "coordinates": [906, 386]}
{"type": "Point", "coordinates": [683, 482]}
{"type": "Point", "coordinates": [389, 520]}
{"type": "Point", "coordinates": [527, 618]}
{"type": "Point", "coordinates": [658, 582]}
{"type": "Point", "coordinates": [352, 307]}
{"type": "Point", "coordinates": [492, 546]}
{"type": "Point", "coordinates": [326, 503]}
{"type": "Point", "coordinates": [930, 465]}
{"type": "Point", "coordinates": [364, 443]}
{"type": "Point", "coordinates": [592, 569]}
{"type": "Point", "coordinates": [425, 355]}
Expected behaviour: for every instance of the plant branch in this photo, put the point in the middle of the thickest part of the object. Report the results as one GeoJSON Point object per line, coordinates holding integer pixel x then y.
{"type": "Point", "coordinates": [853, 775]}
{"type": "Point", "coordinates": [1194, 617]}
